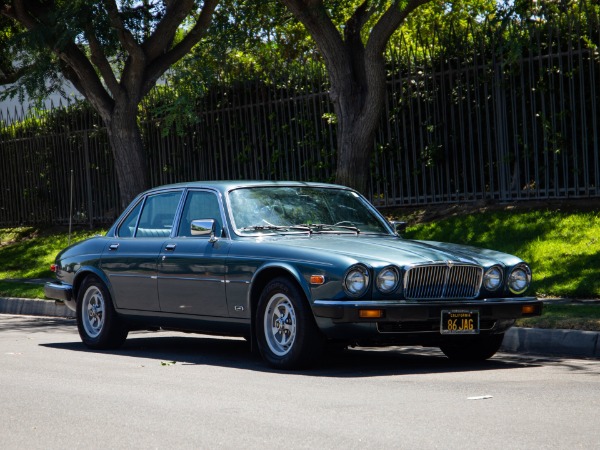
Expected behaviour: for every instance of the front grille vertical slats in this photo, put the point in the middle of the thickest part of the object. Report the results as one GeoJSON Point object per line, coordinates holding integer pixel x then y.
{"type": "Point", "coordinates": [442, 281]}
{"type": "Point", "coordinates": [439, 284]}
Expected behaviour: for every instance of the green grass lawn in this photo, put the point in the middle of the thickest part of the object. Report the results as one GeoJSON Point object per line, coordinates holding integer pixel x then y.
{"type": "Point", "coordinates": [27, 252]}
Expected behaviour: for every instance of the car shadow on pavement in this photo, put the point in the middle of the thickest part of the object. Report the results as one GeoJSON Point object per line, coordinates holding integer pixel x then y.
{"type": "Point", "coordinates": [236, 353]}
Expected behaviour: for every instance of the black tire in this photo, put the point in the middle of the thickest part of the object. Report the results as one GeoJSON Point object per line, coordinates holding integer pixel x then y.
{"type": "Point", "coordinates": [477, 348]}
{"type": "Point", "coordinates": [98, 324]}
{"type": "Point", "coordinates": [286, 332]}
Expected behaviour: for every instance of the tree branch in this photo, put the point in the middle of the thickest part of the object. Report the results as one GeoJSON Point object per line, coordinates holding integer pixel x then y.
{"type": "Point", "coordinates": [87, 82]}
{"type": "Point", "coordinates": [125, 37]}
{"type": "Point", "coordinates": [99, 60]}
{"type": "Point", "coordinates": [388, 23]}
{"type": "Point", "coordinates": [162, 38]}
{"type": "Point", "coordinates": [355, 23]}
{"type": "Point", "coordinates": [313, 15]}
{"type": "Point", "coordinates": [11, 76]}
{"type": "Point", "coordinates": [163, 61]}
{"type": "Point", "coordinates": [33, 15]}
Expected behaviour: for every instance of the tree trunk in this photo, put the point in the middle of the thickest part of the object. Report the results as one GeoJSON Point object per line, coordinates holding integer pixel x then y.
{"type": "Point", "coordinates": [358, 102]}
{"type": "Point", "coordinates": [354, 150]}
{"type": "Point", "coordinates": [128, 151]}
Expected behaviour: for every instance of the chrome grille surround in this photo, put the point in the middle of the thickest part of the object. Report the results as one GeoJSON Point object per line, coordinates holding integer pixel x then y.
{"type": "Point", "coordinates": [441, 281]}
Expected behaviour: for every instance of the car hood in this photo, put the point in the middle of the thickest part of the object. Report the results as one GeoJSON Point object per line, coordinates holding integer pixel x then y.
{"type": "Point", "coordinates": [398, 251]}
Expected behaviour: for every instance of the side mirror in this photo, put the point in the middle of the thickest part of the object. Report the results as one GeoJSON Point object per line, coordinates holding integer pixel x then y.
{"type": "Point", "coordinates": [204, 227]}
{"type": "Point", "coordinates": [399, 227]}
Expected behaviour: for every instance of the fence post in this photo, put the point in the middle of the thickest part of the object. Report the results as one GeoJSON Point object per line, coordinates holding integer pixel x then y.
{"type": "Point", "coordinates": [88, 178]}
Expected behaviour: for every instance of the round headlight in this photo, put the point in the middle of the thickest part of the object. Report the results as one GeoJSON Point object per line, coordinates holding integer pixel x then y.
{"type": "Point", "coordinates": [492, 279]}
{"type": "Point", "coordinates": [387, 280]}
{"type": "Point", "coordinates": [356, 281]}
{"type": "Point", "coordinates": [519, 279]}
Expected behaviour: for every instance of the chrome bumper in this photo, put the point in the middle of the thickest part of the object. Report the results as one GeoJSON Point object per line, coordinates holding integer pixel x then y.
{"type": "Point", "coordinates": [62, 293]}
{"type": "Point", "coordinates": [399, 311]}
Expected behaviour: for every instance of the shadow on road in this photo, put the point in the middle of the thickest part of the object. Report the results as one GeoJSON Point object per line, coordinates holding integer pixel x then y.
{"type": "Point", "coordinates": [11, 322]}
{"type": "Point", "coordinates": [236, 353]}
{"type": "Point", "coordinates": [183, 349]}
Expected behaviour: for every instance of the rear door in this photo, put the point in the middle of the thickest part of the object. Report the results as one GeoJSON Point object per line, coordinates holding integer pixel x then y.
{"type": "Point", "coordinates": [130, 260]}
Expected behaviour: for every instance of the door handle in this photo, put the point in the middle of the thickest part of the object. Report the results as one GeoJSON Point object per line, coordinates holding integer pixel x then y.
{"type": "Point", "coordinates": [113, 246]}
{"type": "Point", "coordinates": [170, 247]}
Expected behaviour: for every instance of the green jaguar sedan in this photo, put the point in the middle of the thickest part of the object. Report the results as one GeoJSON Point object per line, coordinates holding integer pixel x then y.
{"type": "Point", "coordinates": [293, 267]}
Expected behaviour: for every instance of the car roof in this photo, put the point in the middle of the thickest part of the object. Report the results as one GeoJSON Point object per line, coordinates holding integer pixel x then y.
{"type": "Point", "coordinates": [227, 185]}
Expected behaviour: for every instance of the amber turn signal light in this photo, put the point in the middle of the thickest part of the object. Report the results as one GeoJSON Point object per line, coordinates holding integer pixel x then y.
{"type": "Point", "coordinates": [317, 279]}
{"type": "Point", "coordinates": [528, 309]}
{"type": "Point", "coordinates": [370, 313]}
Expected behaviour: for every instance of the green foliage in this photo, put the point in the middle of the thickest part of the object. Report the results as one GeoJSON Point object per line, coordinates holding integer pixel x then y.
{"type": "Point", "coordinates": [73, 116]}
{"type": "Point", "coordinates": [28, 252]}
{"type": "Point", "coordinates": [562, 248]}
{"type": "Point", "coordinates": [17, 289]}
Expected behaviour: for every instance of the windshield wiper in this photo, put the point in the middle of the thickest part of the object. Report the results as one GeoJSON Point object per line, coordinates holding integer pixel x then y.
{"type": "Point", "coordinates": [284, 228]}
{"type": "Point", "coordinates": [327, 228]}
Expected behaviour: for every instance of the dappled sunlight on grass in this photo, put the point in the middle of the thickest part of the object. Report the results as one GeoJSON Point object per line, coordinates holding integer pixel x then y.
{"type": "Point", "coordinates": [28, 252]}
{"type": "Point", "coordinates": [563, 249]}
{"type": "Point", "coordinates": [21, 290]}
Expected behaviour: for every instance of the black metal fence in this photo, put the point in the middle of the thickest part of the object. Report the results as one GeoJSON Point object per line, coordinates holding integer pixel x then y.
{"type": "Point", "coordinates": [478, 124]}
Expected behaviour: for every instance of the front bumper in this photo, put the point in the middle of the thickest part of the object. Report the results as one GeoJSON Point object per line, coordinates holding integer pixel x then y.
{"type": "Point", "coordinates": [415, 323]}
{"type": "Point", "coordinates": [401, 311]}
{"type": "Point", "coordinates": [62, 293]}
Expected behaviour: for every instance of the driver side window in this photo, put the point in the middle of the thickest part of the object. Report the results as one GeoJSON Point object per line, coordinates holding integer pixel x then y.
{"type": "Point", "coordinates": [200, 205]}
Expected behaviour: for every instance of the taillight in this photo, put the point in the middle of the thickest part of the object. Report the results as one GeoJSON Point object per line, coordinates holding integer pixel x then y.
{"type": "Point", "coordinates": [53, 268]}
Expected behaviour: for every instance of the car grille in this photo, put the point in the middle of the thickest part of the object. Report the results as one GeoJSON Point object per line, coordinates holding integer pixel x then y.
{"type": "Point", "coordinates": [442, 281]}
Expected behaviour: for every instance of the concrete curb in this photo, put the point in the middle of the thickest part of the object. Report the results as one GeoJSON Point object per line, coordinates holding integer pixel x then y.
{"type": "Point", "coordinates": [517, 340]}
{"type": "Point", "coordinates": [552, 342]}
{"type": "Point", "coordinates": [34, 307]}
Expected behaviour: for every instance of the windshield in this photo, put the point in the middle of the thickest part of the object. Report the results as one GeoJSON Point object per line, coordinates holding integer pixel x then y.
{"type": "Point", "coordinates": [302, 209]}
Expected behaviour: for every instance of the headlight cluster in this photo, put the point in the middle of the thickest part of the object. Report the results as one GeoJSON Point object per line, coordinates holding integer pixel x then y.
{"type": "Point", "coordinates": [518, 280]}
{"type": "Point", "coordinates": [492, 278]}
{"type": "Point", "coordinates": [387, 280]}
{"type": "Point", "coordinates": [357, 279]}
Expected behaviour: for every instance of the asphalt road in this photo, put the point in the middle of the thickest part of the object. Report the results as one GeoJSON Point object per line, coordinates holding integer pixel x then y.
{"type": "Point", "coordinates": [170, 390]}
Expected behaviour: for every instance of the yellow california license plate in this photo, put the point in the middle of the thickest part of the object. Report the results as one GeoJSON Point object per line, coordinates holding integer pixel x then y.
{"type": "Point", "coordinates": [459, 322]}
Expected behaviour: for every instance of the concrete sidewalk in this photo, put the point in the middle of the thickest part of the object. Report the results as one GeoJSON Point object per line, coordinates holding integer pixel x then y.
{"type": "Point", "coordinates": [572, 343]}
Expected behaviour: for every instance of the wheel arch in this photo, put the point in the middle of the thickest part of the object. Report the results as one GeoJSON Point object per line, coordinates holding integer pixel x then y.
{"type": "Point", "coordinates": [260, 280]}
{"type": "Point", "coordinates": [86, 271]}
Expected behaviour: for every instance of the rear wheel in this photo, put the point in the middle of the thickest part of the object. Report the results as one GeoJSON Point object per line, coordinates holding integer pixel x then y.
{"type": "Point", "coordinates": [473, 348]}
{"type": "Point", "coordinates": [97, 322]}
{"type": "Point", "coordinates": [286, 332]}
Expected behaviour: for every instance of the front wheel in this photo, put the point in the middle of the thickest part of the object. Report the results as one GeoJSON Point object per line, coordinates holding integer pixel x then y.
{"type": "Point", "coordinates": [477, 348]}
{"type": "Point", "coordinates": [97, 322]}
{"type": "Point", "coordinates": [286, 332]}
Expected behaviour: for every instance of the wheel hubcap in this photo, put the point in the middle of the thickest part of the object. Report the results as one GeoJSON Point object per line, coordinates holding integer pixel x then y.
{"type": "Point", "coordinates": [93, 311]}
{"type": "Point", "coordinates": [280, 324]}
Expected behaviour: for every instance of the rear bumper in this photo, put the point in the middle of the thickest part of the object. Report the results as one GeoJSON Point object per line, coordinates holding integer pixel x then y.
{"type": "Point", "coordinates": [60, 292]}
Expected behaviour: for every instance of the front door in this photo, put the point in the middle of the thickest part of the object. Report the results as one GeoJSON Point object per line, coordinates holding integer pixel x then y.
{"type": "Point", "coordinates": [191, 269]}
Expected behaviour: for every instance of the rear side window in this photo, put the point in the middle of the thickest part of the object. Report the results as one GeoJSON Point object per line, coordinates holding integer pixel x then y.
{"type": "Point", "coordinates": [127, 228]}
{"type": "Point", "coordinates": [156, 218]}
